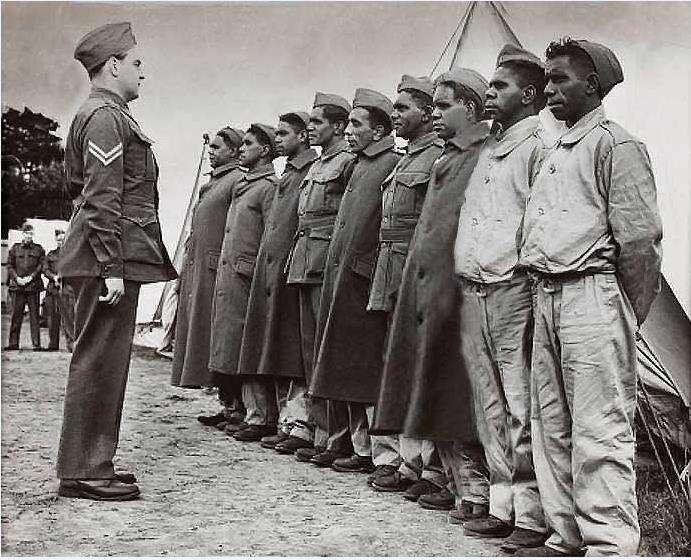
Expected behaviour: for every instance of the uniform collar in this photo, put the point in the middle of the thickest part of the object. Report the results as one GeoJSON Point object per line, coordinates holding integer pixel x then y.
{"type": "Point", "coordinates": [581, 128]}
{"type": "Point", "coordinates": [223, 169]}
{"type": "Point", "coordinates": [337, 148]}
{"type": "Point", "coordinates": [378, 147]}
{"type": "Point", "coordinates": [302, 160]}
{"type": "Point", "coordinates": [260, 172]}
{"type": "Point", "coordinates": [419, 144]}
{"type": "Point", "coordinates": [475, 133]}
{"type": "Point", "coordinates": [514, 136]}
{"type": "Point", "coordinates": [110, 95]}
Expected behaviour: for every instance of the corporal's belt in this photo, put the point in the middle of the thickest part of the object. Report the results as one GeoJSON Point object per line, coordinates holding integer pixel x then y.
{"type": "Point", "coordinates": [130, 203]}
{"type": "Point", "coordinates": [396, 235]}
{"type": "Point", "coordinates": [307, 222]}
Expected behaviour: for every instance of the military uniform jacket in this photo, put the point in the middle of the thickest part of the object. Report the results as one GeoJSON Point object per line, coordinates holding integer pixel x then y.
{"type": "Point", "coordinates": [271, 338]}
{"type": "Point", "coordinates": [25, 259]}
{"type": "Point", "coordinates": [247, 216]}
{"type": "Point", "coordinates": [198, 278]}
{"type": "Point", "coordinates": [50, 271]}
{"type": "Point", "coordinates": [593, 208]}
{"type": "Point", "coordinates": [489, 227]}
{"type": "Point", "coordinates": [114, 230]}
{"type": "Point", "coordinates": [404, 192]}
{"type": "Point", "coordinates": [349, 339]}
{"type": "Point", "coordinates": [320, 196]}
{"type": "Point", "coordinates": [425, 391]}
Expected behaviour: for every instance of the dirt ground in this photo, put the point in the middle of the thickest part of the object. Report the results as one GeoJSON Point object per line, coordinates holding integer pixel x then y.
{"type": "Point", "coordinates": [203, 493]}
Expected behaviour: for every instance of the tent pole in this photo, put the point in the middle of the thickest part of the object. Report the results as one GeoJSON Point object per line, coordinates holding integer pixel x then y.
{"type": "Point", "coordinates": [462, 22]}
{"type": "Point", "coordinates": [464, 34]}
{"type": "Point", "coordinates": [505, 24]}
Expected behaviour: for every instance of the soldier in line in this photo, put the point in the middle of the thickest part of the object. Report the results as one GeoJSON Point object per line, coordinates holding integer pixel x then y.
{"type": "Point", "coordinates": [112, 246]}
{"type": "Point", "coordinates": [24, 266]}
{"type": "Point", "coordinates": [198, 279]}
{"type": "Point", "coordinates": [55, 301]}
{"type": "Point", "coordinates": [592, 240]}
{"type": "Point", "coordinates": [245, 222]}
{"type": "Point", "coordinates": [320, 197]}
{"type": "Point", "coordinates": [271, 337]}
{"type": "Point", "coordinates": [426, 391]}
{"type": "Point", "coordinates": [495, 307]}
{"type": "Point", "coordinates": [349, 339]}
{"type": "Point", "coordinates": [403, 195]}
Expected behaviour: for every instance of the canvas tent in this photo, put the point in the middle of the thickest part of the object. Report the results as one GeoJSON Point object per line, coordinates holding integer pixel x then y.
{"type": "Point", "coordinates": [664, 348]}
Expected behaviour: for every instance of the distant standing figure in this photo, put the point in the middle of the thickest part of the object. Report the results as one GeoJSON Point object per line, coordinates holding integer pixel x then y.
{"type": "Point", "coordinates": [24, 265]}
{"type": "Point", "coordinates": [55, 303]}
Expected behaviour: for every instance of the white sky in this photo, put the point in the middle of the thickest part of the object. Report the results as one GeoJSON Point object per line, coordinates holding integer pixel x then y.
{"type": "Point", "coordinates": [211, 64]}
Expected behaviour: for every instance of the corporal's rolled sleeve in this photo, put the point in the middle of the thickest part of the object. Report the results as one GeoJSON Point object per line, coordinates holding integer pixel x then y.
{"type": "Point", "coordinates": [635, 221]}
{"type": "Point", "coordinates": [103, 145]}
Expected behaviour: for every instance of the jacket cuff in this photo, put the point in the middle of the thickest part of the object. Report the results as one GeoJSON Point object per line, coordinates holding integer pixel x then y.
{"type": "Point", "coordinates": [112, 270]}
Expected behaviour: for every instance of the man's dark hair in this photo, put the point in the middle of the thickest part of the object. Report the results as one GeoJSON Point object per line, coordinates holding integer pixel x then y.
{"type": "Point", "coordinates": [263, 139]}
{"type": "Point", "coordinates": [296, 123]}
{"type": "Point", "coordinates": [530, 75]}
{"type": "Point", "coordinates": [421, 99]}
{"type": "Point", "coordinates": [462, 93]}
{"type": "Point", "coordinates": [335, 114]}
{"type": "Point", "coordinates": [98, 68]}
{"type": "Point", "coordinates": [378, 117]}
{"type": "Point", "coordinates": [228, 139]}
{"type": "Point", "coordinates": [577, 56]}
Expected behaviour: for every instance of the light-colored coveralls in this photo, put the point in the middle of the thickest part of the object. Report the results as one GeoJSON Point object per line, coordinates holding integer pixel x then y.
{"type": "Point", "coordinates": [497, 316]}
{"type": "Point", "coordinates": [591, 237]}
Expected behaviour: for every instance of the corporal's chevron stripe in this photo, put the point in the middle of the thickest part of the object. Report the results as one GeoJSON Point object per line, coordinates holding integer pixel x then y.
{"type": "Point", "coordinates": [106, 158]}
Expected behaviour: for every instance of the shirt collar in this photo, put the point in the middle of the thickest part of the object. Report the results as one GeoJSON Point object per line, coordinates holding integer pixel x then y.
{"type": "Point", "coordinates": [223, 169]}
{"type": "Point", "coordinates": [475, 133]}
{"type": "Point", "coordinates": [110, 95]}
{"type": "Point", "coordinates": [337, 148]}
{"type": "Point", "coordinates": [260, 172]}
{"type": "Point", "coordinates": [379, 147]}
{"type": "Point", "coordinates": [582, 127]}
{"type": "Point", "coordinates": [508, 140]}
{"type": "Point", "coordinates": [419, 144]}
{"type": "Point", "coordinates": [302, 160]}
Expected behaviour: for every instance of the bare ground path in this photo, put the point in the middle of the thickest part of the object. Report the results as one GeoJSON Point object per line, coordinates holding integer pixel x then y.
{"type": "Point", "coordinates": [203, 493]}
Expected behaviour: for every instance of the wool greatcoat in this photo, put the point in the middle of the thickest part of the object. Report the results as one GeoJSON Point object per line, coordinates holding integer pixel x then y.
{"type": "Point", "coordinates": [350, 339]}
{"type": "Point", "coordinates": [271, 343]}
{"type": "Point", "coordinates": [247, 216]}
{"type": "Point", "coordinates": [198, 278]}
{"type": "Point", "coordinates": [425, 391]}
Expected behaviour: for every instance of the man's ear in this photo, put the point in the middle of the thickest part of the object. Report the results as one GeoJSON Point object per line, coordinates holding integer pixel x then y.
{"type": "Point", "coordinates": [339, 128]}
{"type": "Point", "coordinates": [113, 66]}
{"type": "Point", "coordinates": [379, 132]}
{"type": "Point", "coordinates": [592, 84]}
{"type": "Point", "coordinates": [427, 113]}
{"type": "Point", "coordinates": [303, 137]}
{"type": "Point", "coordinates": [529, 95]}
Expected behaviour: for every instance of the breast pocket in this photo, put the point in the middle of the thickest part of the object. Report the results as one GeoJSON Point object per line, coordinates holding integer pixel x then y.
{"type": "Point", "coordinates": [140, 162]}
{"type": "Point", "coordinates": [411, 188]}
{"type": "Point", "coordinates": [318, 240]}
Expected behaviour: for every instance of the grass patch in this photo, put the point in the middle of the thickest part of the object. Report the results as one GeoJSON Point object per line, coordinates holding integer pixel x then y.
{"type": "Point", "coordinates": [663, 532]}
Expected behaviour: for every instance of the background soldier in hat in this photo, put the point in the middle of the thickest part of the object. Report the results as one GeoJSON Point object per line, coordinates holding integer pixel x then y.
{"type": "Point", "coordinates": [247, 217]}
{"type": "Point", "coordinates": [198, 278]}
{"type": "Point", "coordinates": [271, 337]}
{"type": "Point", "coordinates": [496, 307]}
{"type": "Point", "coordinates": [591, 237]}
{"type": "Point", "coordinates": [436, 396]}
{"type": "Point", "coordinates": [349, 339]}
{"type": "Point", "coordinates": [320, 196]}
{"type": "Point", "coordinates": [113, 245]}
{"type": "Point", "coordinates": [403, 194]}
{"type": "Point", "coordinates": [24, 266]}
{"type": "Point", "coordinates": [55, 304]}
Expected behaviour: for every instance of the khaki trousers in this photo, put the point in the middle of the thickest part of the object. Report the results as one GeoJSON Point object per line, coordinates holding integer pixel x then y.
{"type": "Point", "coordinates": [497, 338]}
{"type": "Point", "coordinates": [97, 379]}
{"type": "Point", "coordinates": [584, 401]}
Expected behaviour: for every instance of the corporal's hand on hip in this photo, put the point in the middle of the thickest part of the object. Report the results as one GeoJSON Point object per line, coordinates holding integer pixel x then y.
{"type": "Point", "coordinates": [115, 289]}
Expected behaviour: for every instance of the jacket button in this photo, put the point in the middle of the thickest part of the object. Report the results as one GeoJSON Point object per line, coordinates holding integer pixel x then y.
{"type": "Point", "coordinates": [552, 169]}
{"type": "Point", "coordinates": [486, 179]}
{"type": "Point", "coordinates": [420, 317]}
{"type": "Point", "coordinates": [540, 211]}
{"type": "Point", "coordinates": [268, 259]}
{"type": "Point", "coordinates": [421, 274]}
{"type": "Point", "coordinates": [475, 221]}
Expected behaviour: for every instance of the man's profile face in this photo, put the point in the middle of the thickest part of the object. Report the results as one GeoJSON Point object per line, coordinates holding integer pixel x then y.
{"type": "Point", "coordinates": [504, 95]}
{"type": "Point", "coordinates": [320, 130]}
{"type": "Point", "coordinates": [219, 152]}
{"type": "Point", "coordinates": [450, 115]}
{"type": "Point", "coordinates": [251, 151]}
{"type": "Point", "coordinates": [59, 239]}
{"type": "Point", "coordinates": [130, 74]}
{"type": "Point", "coordinates": [287, 140]}
{"type": "Point", "coordinates": [565, 89]}
{"type": "Point", "coordinates": [359, 134]}
{"type": "Point", "coordinates": [407, 117]}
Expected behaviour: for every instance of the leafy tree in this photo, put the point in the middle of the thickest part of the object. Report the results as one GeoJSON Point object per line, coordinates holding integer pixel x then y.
{"type": "Point", "coordinates": [33, 178]}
